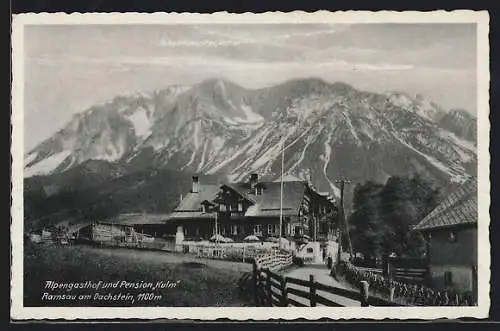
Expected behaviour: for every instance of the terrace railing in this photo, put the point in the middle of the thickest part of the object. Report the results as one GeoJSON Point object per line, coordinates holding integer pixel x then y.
{"type": "Point", "coordinates": [273, 259]}
{"type": "Point", "coordinates": [241, 254]}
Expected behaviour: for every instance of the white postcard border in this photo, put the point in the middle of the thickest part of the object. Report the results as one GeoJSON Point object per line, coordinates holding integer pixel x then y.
{"type": "Point", "coordinates": [18, 312]}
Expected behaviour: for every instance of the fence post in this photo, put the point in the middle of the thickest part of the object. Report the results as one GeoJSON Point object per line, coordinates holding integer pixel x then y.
{"type": "Point", "coordinates": [255, 284]}
{"type": "Point", "coordinates": [364, 293]}
{"type": "Point", "coordinates": [243, 253]}
{"type": "Point", "coordinates": [391, 293]}
{"type": "Point", "coordinates": [312, 291]}
{"type": "Point", "coordinates": [474, 280]}
{"type": "Point", "coordinates": [390, 271]}
{"type": "Point", "coordinates": [284, 292]}
{"type": "Point", "coordinates": [333, 271]}
{"type": "Point", "coordinates": [268, 288]}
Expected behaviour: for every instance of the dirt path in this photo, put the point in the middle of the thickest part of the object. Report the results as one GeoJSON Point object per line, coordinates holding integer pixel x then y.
{"type": "Point", "coordinates": [322, 275]}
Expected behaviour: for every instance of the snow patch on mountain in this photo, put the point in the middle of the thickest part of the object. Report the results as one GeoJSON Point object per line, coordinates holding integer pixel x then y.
{"type": "Point", "coordinates": [367, 130]}
{"type": "Point", "coordinates": [309, 140]}
{"type": "Point", "coordinates": [221, 87]}
{"type": "Point", "coordinates": [429, 158]}
{"type": "Point", "coordinates": [458, 141]}
{"type": "Point", "coordinates": [419, 105]}
{"type": "Point", "coordinates": [229, 121]}
{"type": "Point", "coordinates": [111, 154]}
{"type": "Point", "coordinates": [464, 149]}
{"type": "Point", "coordinates": [47, 165]}
{"type": "Point", "coordinates": [217, 145]}
{"type": "Point", "coordinates": [351, 129]}
{"type": "Point", "coordinates": [197, 141]}
{"type": "Point", "coordinates": [400, 99]}
{"type": "Point", "coordinates": [141, 122]}
{"type": "Point", "coordinates": [177, 89]}
{"type": "Point", "coordinates": [203, 153]}
{"type": "Point", "coordinates": [29, 158]}
{"type": "Point", "coordinates": [326, 158]}
{"type": "Point", "coordinates": [191, 160]}
{"type": "Point", "coordinates": [271, 154]}
{"type": "Point", "coordinates": [250, 115]}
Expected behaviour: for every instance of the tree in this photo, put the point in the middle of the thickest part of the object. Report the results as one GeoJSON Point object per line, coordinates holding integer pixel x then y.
{"type": "Point", "coordinates": [384, 215]}
{"type": "Point", "coordinates": [366, 225]}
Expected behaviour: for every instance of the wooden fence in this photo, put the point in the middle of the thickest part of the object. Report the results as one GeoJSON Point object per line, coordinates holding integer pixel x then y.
{"type": "Point", "coordinates": [403, 292]}
{"type": "Point", "coordinates": [272, 289]}
{"type": "Point", "coordinates": [410, 275]}
{"type": "Point", "coordinates": [407, 275]}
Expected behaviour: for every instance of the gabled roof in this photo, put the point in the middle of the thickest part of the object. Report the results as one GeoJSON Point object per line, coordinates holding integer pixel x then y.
{"type": "Point", "coordinates": [190, 206]}
{"type": "Point", "coordinates": [459, 208]}
{"type": "Point", "coordinates": [265, 204]}
{"type": "Point", "coordinates": [192, 201]}
{"type": "Point", "coordinates": [268, 203]}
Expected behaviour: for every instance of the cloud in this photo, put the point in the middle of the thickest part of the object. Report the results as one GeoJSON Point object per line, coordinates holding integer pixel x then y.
{"type": "Point", "coordinates": [197, 43]}
{"type": "Point", "coordinates": [241, 35]}
{"type": "Point", "coordinates": [276, 33]}
{"type": "Point", "coordinates": [124, 63]}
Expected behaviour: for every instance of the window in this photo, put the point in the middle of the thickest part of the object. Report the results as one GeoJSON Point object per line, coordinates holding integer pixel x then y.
{"type": "Point", "coordinates": [273, 228]}
{"type": "Point", "coordinates": [310, 250]}
{"type": "Point", "coordinates": [234, 230]}
{"type": "Point", "coordinates": [222, 207]}
{"type": "Point", "coordinates": [240, 206]}
{"type": "Point", "coordinates": [257, 230]}
{"type": "Point", "coordinates": [217, 253]}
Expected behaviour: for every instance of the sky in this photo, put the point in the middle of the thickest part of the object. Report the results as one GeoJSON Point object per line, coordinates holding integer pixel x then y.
{"type": "Point", "coordinates": [69, 68]}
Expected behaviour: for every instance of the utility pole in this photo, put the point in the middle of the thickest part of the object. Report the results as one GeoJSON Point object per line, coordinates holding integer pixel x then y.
{"type": "Point", "coordinates": [281, 191]}
{"type": "Point", "coordinates": [216, 230]}
{"type": "Point", "coordinates": [343, 220]}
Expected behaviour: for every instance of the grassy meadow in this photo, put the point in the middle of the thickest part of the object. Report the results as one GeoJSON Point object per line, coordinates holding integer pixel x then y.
{"type": "Point", "coordinates": [199, 282]}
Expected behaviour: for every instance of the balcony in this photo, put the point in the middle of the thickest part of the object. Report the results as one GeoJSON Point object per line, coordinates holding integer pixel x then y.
{"type": "Point", "coordinates": [231, 214]}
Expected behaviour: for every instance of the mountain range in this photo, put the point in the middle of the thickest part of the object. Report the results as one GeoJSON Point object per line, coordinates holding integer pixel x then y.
{"type": "Point", "coordinates": [223, 131]}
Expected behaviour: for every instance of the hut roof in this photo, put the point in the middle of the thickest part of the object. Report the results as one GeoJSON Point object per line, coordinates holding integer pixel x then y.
{"type": "Point", "coordinates": [459, 208]}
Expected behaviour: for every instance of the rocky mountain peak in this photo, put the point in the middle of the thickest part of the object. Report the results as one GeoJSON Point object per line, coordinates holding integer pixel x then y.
{"type": "Point", "coordinates": [219, 128]}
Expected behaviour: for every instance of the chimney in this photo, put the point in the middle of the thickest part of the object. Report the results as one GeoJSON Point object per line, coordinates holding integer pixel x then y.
{"type": "Point", "coordinates": [195, 188]}
{"type": "Point", "coordinates": [254, 178]}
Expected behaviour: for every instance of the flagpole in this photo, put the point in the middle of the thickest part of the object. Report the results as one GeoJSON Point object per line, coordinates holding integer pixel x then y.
{"type": "Point", "coordinates": [281, 190]}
